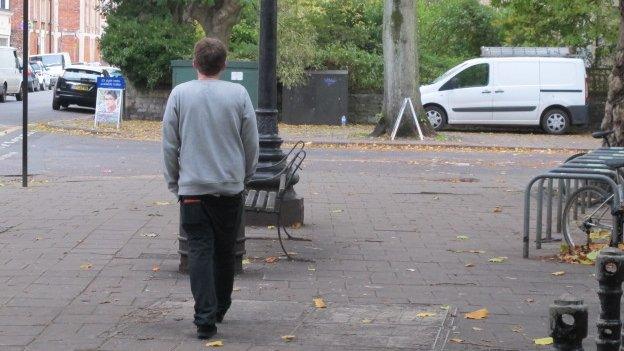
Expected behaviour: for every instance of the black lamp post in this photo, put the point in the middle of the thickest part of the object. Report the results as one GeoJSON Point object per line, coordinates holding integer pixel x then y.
{"type": "Point", "coordinates": [270, 141]}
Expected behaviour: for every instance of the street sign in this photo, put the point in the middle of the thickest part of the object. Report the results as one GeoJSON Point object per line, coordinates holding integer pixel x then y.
{"type": "Point", "coordinates": [109, 100]}
{"type": "Point", "coordinates": [111, 83]}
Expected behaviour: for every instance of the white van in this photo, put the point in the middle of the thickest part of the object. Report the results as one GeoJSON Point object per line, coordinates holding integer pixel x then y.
{"type": "Point", "coordinates": [55, 63]}
{"type": "Point", "coordinates": [10, 74]}
{"type": "Point", "coordinates": [540, 91]}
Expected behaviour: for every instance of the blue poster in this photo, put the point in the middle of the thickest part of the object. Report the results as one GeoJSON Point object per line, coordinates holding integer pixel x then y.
{"type": "Point", "coordinates": [111, 83]}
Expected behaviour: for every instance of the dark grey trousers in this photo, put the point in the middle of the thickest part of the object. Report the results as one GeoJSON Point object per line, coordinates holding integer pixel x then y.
{"type": "Point", "coordinates": [211, 224]}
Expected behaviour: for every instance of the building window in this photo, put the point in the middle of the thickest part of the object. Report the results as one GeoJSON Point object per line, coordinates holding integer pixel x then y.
{"type": "Point", "coordinates": [4, 41]}
{"type": "Point", "coordinates": [4, 4]}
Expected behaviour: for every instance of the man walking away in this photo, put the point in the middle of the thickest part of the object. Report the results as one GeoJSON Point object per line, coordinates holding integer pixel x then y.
{"type": "Point", "coordinates": [210, 145]}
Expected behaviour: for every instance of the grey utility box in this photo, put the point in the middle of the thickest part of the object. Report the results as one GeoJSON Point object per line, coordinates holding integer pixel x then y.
{"type": "Point", "coordinates": [323, 100]}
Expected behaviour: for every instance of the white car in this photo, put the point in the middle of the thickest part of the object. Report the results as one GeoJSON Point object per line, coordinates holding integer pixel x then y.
{"type": "Point", "coordinates": [10, 74]}
{"type": "Point", "coordinates": [537, 91]}
{"type": "Point", "coordinates": [41, 71]}
{"type": "Point", "coordinates": [55, 62]}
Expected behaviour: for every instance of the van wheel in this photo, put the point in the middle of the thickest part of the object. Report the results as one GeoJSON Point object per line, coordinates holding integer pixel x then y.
{"type": "Point", "coordinates": [556, 121]}
{"type": "Point", "coordinates": [436, 116]}
{"type": "Point", "coordinates": [19, 96]}
{"type": "Point", "coordinates": [3, 93]}
{"type": "Point", "coordinates": [56, 105]}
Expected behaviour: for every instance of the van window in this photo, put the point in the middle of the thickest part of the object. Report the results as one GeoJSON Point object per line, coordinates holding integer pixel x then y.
{"type": "Point", "coordinates": [7, 59]}
{"type": "Point", "coordinates": [473, 76]}
{"type": "Point", "coordinates": [517, 73]}
{"type": "Point", "coordinates": [49, 60]}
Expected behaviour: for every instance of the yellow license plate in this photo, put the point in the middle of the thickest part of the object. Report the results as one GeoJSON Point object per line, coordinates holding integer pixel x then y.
{"type": "Point", "coordinates": [81, 87]}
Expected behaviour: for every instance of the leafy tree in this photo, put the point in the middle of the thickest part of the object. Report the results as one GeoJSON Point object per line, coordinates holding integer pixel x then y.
{"type": "Point", "coordinates": [143, 46]}
{"type": "Point", "coordinates": [614, 107]}
{"type": "Point", "coordinates": [574, 23]}
{"type": "Point", "coordinates": [452, 31]}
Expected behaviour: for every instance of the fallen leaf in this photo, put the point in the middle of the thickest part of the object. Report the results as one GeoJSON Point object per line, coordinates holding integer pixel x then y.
{"type": "Point", "coordinates": [270, 227]}
{"type": "Point", "coordinates": [499, 259]}
{"type": "Point", "coordinates": [411, 270]}
{"type": "Point", "coordinates": [445, 307]}
{"type": "Point", "coordinates": [425, 314]}
{"type": "Point", "coordinates": [497, 209]}
{"type": "Point", "coordinates": [336, 211]}
{"type": "Point", "coordinates": [246, 261]}
{"type": "Point", "coordinates": [216, 343]}
{"type": "Point", "coordinates": [149, 235]}
{"type": "Point", "coordinates": [558, 273]}
{"type": "Point", "coordinates": [477, 329]}
{"type": "Point", "coordinates": [288, 338]}
{"type": "Point", "coordinates": [456, 340]}
{"type": "Point", "coordinates": [478, 314]}
{"type": "Point", "coordinates": [86, 266]}
{"type": "Point", "coordinates": [517, 329]}
{"type": "Point", "coordinates": [296, 225]}
{"type": "Point", "coordinates": [543, 341]}
{"type": "Point", "coordinates": [462, 237]}
{"type": "Point", "coordinates": [319, 303]}
{"type": "Point", "coordinates": [600, 234]}
{"type": "Point", "coordinates": [311, 268]}
{"type": "Point", "coordinates": [162, 203]}
{"type": "Point", "coordinates": [530, 300]}
{"type": "Point", "coordinates": [366, 321]}
{"type": "Point", "coordinates": [155, 269]}
{"type": "Point", "coordinates": [469, 265]}
{"type": "Point", "coordinates": [271, 259]}
{"type": "Point", "coordinates": [586, 262]}
{"type": "Point", "coordinates": [592, 255]}
{"type": "Point", "coordinates": [236, 289]}
{"type": "Point", "coordinates": [38, 238]}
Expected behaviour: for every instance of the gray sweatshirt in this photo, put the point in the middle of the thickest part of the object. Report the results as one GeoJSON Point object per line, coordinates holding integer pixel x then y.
{"type": "Point", "coordinates": [210, 138]}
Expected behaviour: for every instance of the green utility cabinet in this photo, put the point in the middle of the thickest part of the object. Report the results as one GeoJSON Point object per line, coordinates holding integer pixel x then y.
{"type": "Point", "coordinates": [241, 72]}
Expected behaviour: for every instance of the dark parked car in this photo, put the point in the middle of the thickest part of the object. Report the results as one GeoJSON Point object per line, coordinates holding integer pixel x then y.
{"type": "Point", "coordinates": [77, 86]}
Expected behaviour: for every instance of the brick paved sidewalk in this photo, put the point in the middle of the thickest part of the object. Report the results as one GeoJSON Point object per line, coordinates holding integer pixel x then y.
{"type": "Point", "coordinates": [91, 263]}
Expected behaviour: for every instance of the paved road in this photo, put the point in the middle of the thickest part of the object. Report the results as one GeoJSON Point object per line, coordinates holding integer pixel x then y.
{"type": "Point", "coordinates": [381, 223]}
{"type": "Point", "coordinates": [39, 108]}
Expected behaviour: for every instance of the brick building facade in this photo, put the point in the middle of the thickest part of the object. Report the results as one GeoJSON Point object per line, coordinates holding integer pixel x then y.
{"type": "Point", "coordinates": [72, 26]}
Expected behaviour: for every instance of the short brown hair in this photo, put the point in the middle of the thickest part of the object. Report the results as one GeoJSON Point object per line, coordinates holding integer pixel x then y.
{"type": "Point", "coordinates": [210, 55]}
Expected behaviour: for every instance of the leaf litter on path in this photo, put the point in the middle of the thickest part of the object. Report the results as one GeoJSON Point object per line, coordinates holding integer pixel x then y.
{"type": "Point", "coordinates": [319, 303]}
{"type": "Point", "coordinates": [478, 314]}
{"type": "Point", "coordinates": [499, 259]}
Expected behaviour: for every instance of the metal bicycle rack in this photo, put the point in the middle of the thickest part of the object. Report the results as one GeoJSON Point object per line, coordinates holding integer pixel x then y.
{"type": "Point", "coordinates": [554, 186]}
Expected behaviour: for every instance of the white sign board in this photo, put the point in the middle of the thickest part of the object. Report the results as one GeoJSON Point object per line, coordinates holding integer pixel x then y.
{"type": "Point", "coordinates": [108, 106]}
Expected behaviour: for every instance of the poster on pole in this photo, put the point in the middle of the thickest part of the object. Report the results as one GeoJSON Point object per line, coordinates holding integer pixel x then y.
{"type": "Point", "coordinates": [109, 100]}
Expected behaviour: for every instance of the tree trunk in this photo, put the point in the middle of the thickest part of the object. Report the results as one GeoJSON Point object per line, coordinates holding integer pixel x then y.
{"type": "Point", "coordinates": [217, 20]}
{"type": "Point", "coordinates": [401, 77]}
{"type": "Point", "coordinates": [614, 107]}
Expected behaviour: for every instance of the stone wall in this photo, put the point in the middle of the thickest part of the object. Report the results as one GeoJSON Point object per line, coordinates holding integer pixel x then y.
{"type": "Point", "coordinates": [145, 105]}
{"type": "Point", "coordinates": [150, 105]}
{"type": "Point", "coordinates": [364, 108]}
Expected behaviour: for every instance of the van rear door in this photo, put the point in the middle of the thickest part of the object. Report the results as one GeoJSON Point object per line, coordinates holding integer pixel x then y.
{"type": "Point", "coordinates": [515, 95]}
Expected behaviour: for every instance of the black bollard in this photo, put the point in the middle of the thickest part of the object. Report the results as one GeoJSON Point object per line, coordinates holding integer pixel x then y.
{"type": "Point", "coordinates": [609, 272]}
{"type": "Point", "coordinates": [568, 323]}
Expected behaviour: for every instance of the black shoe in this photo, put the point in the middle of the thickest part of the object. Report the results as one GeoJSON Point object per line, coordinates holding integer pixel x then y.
{"type": "Point", "coordinates": [220, 316]}
{"type": "Point", "coordinates": [206, 331]}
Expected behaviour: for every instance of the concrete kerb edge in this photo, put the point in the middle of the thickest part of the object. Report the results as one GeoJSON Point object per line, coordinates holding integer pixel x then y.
{"type": "Point", "coordinates": [370, 143]}
{"type": "Point", "coordinates": [436, 146]}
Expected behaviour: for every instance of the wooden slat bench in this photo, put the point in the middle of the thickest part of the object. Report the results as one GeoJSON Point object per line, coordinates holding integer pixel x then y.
{"type": "Point", "coordinates": [270, 201]}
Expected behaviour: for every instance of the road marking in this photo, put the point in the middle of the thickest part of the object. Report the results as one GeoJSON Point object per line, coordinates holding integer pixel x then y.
{"type": "Point", "coordinates": [17, 139]}
{"type": "Point", "coordinates": [5, 156]}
